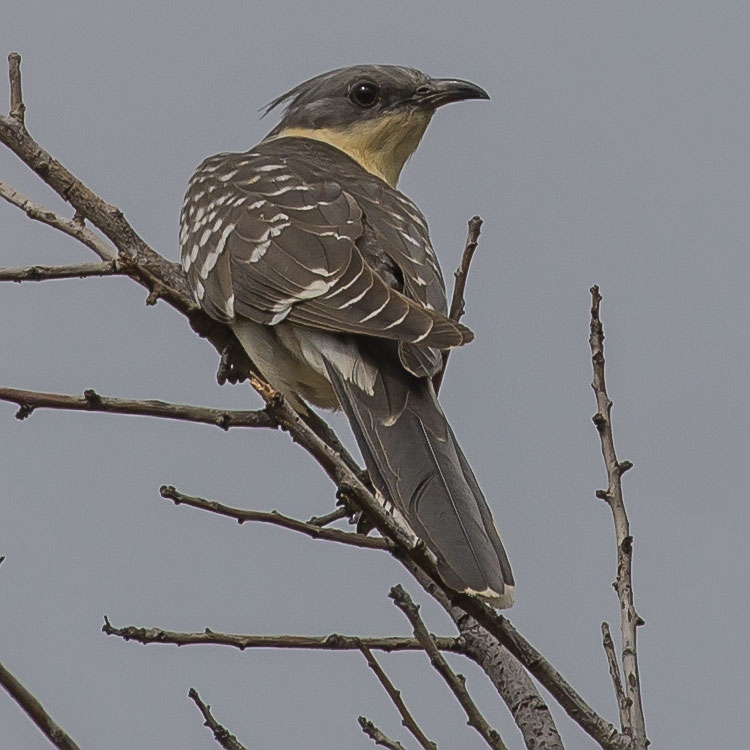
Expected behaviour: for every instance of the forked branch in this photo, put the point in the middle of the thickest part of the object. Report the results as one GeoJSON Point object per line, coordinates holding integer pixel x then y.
{"type": "Point", "coordinates": [395, 695]}
{"type": "Point", "coordinates": [629, 618]}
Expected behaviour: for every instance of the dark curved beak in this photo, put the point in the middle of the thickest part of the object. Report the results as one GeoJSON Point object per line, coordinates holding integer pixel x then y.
{"type": "Point", "coordinates": [440, 91]}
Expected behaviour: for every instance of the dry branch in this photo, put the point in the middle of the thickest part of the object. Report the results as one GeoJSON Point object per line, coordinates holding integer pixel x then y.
{"type": "Point", "coordinates": [43, 273]}
{"type": "Point", "coordinates": [455, 682]}
{"type": "Point", "coordinates": [74, 227]}
{"type": "Point", "coordinates": [395, 695]}
{"type": "Point", "coordinates": [629, 618]}
{"type": "Point", "coordinates": [623, 703]}
{"type": "Point", "coordinates": [221, 734]}
{"type": "Point", "coordinates": [17, 107]}
{"type": "Point", "coordinates": [334, 515]}
{"type": "Point", "coordinates": [35, 711]}
{"type": "Point", "coordinates": [377, 736]}
{"type": "Point", "coordinates": [511, 680]}
{"type": "Point", "coordinates": [458, 300]}
{"type": "Point", "coordinates": [92, 401]}
{"type": "Point", "coordinates": [277, 519]}
{"type": "Point", "coordinates": [332, 642]}
{"type": "Point", "coordinates": [165, 280]}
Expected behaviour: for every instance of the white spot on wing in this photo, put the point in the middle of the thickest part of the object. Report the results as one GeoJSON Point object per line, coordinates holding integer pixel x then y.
{"type": "Point", "coordinates": [396, 322]}
{"type": "Point", "coordinates": [374, 313]}
{"type": "Point", "coordinates": [213, 256]}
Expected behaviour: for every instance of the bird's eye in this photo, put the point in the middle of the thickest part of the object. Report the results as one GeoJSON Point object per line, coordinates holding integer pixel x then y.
{"type": "Point", "coordinates": [364, 94]}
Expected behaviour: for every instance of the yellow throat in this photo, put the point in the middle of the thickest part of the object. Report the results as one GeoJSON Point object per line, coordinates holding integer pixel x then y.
{"type": "Point", "coordinates": [381, 146]}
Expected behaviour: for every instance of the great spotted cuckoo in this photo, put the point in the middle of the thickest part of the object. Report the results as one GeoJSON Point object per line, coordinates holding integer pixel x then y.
{"type": "Point", "coordinates": [326, 274]}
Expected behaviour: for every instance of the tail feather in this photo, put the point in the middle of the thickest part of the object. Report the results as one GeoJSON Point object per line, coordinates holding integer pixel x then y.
{"type": "Point", "coordinates": [415, 461]}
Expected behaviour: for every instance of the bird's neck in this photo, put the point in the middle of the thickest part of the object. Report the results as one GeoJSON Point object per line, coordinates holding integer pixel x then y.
{"type": "Point", "coordinates": [381, 146]}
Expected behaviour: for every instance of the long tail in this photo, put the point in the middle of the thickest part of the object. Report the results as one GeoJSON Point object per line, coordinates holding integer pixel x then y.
{"type": "Point", "coordinates": [415, 461]}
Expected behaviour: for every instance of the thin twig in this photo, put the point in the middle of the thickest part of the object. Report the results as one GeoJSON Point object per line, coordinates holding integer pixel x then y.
{"type": "Point", "coordinates": [395, 695]}
{"type": "Point", "coordinates": [52, 731]}
{"type": "Point", "coordinates": [72, 227]}
{"type": "Point", "coordinates": [378, 737]}
{"type": "Point", "coordinates": [43, 273]}
{"type": "Point", "coordinates": [458, 301]}
{"type": "Point", "coordinates": [92, 401]}
{"type": "Point", "coordinates": [221, 734]}
{"type": "Point", "coordinates": [17, 107]}
{"type": "Point", "coordinates": [511, 680]}
{"type": "Point", "coordinates": [335, 515]}
{"type": "Point", "coordinates": [623, 703]}
{"type": "Point", "coordinates": [277, 519]}
{"type": "Point", "coordinates": [457, 683]}
{"type": "Point", "coordinates": [629, 618]}
{"type": "Point", "coordinates": [332, 642]}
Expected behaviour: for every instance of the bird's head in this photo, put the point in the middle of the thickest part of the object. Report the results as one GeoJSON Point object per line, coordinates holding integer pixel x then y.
{"type": "Point", "coordinates": [376, 114]}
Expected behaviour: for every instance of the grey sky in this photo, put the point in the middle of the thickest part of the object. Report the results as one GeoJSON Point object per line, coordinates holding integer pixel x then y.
{"type": "Point", "coordinates": [614, 151]}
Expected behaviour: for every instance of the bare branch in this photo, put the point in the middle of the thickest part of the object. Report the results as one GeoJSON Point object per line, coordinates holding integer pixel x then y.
{"type": "Point", "coordinates": [406, 718]}
{"type": "Point", "coordinates": [43, 273]}
{"type": "Point", "coordinates": [17, 107]}
{"type": "Point", "coordinates": [377, 736]}
{"type": "Point", "coordinates": [512, 682]}
{"type": "Point", "coordinates": [458, 301]}
{"type": "Point", "coordinates": [334, 515]}
{"type": "Point", "coordinates": [72, 227]}
{"type": "Point", "coordinates": [221, 734]}
{"type": "Point", "coordinates": [629, 618]}
{"type": "Point", "coordinates": [53, 732]}
{"type": "Point", "coordinates": [332, 642]}
{"type": "Point", "coordinates": [165, 280]}
{"type": "Point", "coordinates": [277, 519]}
{"type": "Point", "coordinates": [623, 703]}
{"type": "Point", "coordinates": [92, 401]}
{"type": "Point", "coordinates": [457, 683]}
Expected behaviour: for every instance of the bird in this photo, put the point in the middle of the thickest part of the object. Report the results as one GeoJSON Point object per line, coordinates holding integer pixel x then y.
{"type": "Point", "coordinates": [326, 274]}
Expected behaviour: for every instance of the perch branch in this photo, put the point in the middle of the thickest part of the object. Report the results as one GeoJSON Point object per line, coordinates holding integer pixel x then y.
{"type": "Point", "coordinates": [92, 401]}
{"type": "Point", "coordinates": [458, 301]}
{"type": "Point", "coordinates": [277, 519]}
{"type": "Point", "coordinates": [221, 734]}
{"type": "Point", "coordinates": [35, 711]}
{"type": "Point", "coordinates": [74, 227]}
{"type": "Point", "coordinates": [629, 618]}
{"type": "Point", "coordinates": [43, 273]}
{"type": "Point", "coordinates": [332, 642]}
{"type": "Point", "coordinates": [377, 736]}
{"type": "Point", "coordinates": [395, 695]}
{"type": "Point", "coordinates": [457, 683]}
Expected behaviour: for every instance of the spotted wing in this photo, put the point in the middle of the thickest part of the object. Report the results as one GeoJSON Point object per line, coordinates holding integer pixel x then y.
{"type": "Point", "coordinates": [265, 240]}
